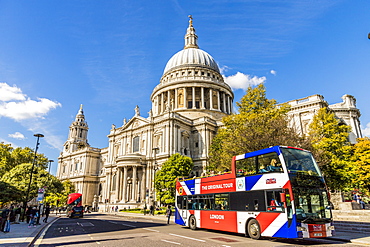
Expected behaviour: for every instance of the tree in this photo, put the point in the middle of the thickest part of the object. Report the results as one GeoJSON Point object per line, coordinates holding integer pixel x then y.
{"type": "Point", "coordinates": [259, 124]}
{"type": "Point", "coordinates": [60, 197]}
{"type": "Point", "coordinates": [5, 158]}
{"type": "Point", "coordinates": [19, 178]}
{"type": "Point", "coordinates": [332, 149]}
{"type": "Point", "coordinates": [11, 157]}
{"type": "Point", "coordinates": [8, 193]}
{"type": "Point", "coordinates": [165, 179]}
{"type": "Point", "coordinates": [361, 162]}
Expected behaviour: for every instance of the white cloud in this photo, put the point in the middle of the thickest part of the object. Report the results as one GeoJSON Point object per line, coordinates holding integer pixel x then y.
{"type": "Point", "coordinates": [8, 93]}
{"type": "Point", "coordinates": [243, 81]}
{"type": "Point", "coordinates": [273, 72]}
{"type": "Point", "coordinates": [224, 68]}
{"type": "Point", "coordinates": [15, 105]}
{"type": "Point", "coordinates": [17, 135]}
{"type": "Point", "coordinates": [366, 130]}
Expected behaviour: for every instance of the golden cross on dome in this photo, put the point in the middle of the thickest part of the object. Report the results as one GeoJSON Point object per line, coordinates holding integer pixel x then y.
{"type": "Point", "coordinates": [191, 20]}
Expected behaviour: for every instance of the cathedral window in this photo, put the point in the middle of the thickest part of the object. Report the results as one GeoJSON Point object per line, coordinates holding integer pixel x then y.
{"type": "Point", "coordinates": [135, 144]}
{"type": "Point", "coordinates": [202, 72]}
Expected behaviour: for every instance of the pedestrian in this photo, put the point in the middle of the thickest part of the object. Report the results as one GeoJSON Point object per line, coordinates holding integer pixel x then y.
{"type": "Point", "coordinates": [38, 216]}
{"type": "Point", "coordinates": [4, 216]}
{"type": "Point", "coordinates": [17, 212]}
{"type": "Point", "coordinates": [151, 210]}
{"type": "Point", "coordinates": [28, 214]}
{"type": "Point", "coordinates": [47, 212]}
{"type": "Point", "coordinates": [145, 209]}
{"type": "Point", "coordinates": [168, 214]}
{"type": "Point", "coordinates": [116, 209]}
{"type": "Point", "coordinates": [34, 214]}
{"type": "Point", "coordinates": [7, 222]}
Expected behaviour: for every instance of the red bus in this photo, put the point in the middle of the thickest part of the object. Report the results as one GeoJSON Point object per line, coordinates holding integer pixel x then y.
{"type": "Point", "coordinates": [274, 192]}
{"type": "Point", "coordinates": [74, 199]}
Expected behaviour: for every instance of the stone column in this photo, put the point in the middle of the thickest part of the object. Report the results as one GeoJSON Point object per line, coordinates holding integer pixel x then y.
{"type": "Point", "coordinates": [124, 195]}
{"type": "Point", "coordinates": [193, 97]}
{"type": "Point", "coordinates": [169, 100]}
{"type": "Point", "coordinates": [219, 100]}
{"type": "Point", "coordinates": [185, 99]}
{"type": "Point", "coordinates": [210, 99]}
{"type": "Point", "coordinates": [176, 99]}
{"type": "Point", "coordinates": [143, 184]}
{"type": "Point", "coordinates": [134, 177]}
{"type": "Point", "coordinates": [119, 181]}
{"type": "Point", "coordinates": [202, 97]}
{"type": "Point", "coordinates": [224, 100]}
{"type": "Point", "coordinates": [162, 104]}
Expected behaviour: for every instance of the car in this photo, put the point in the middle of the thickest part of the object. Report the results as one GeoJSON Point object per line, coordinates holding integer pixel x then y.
{"type": "Point", "coordinates": [76, 211]}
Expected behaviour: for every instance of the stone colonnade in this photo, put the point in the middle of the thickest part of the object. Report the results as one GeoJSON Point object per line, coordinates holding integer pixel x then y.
{"type": "Point", "coordinates": [193, 98]}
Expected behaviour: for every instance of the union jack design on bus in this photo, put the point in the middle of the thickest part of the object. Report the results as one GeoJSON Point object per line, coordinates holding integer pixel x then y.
{"type": "Point", "coordinates": [274, 192]}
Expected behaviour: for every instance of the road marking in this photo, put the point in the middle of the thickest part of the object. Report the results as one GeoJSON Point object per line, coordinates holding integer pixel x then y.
{"type": "Point", "coordinates": [169, 241]}
{"type": "Point", "coordinates": [129, 225]}
{"type": "Point", "coordinates": [39, 239]}
{"type": "Point", "coordinates": [150, 230]}
{"type": "Point", "coordinates": [187, 237]}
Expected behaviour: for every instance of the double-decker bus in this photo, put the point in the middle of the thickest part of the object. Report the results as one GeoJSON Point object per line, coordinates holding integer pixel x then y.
{"type": "Point", "coordinates": [274, 192]}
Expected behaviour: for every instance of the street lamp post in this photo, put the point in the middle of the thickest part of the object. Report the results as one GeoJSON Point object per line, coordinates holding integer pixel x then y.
{"type": "Point", "coordinates": [29, 183]}
{"type": "Point", "coordinates": [50, 164]}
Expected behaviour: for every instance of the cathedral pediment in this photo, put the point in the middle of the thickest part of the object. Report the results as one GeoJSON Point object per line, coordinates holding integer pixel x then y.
{"type": "Point", "coordinates": [135, 123]}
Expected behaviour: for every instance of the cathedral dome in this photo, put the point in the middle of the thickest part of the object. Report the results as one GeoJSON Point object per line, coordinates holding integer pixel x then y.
{"type": "Point", "coordinates": [193, 57]}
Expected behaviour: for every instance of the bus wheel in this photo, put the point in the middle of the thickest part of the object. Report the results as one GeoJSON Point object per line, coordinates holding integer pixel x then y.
{"type": "Point", "coordinates": [254, 230]}
{"type": "Point", "coordinates": [192, 223]}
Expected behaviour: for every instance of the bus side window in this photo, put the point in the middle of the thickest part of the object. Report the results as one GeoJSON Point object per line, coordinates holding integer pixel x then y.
{"type": "Point", "coordinates": [246, 167]}
{"type": "Point", "coordinates": [180, 200]}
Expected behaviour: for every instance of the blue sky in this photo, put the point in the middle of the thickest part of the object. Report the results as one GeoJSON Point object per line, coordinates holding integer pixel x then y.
{"type": "Point", "coordinates": [109, 55]}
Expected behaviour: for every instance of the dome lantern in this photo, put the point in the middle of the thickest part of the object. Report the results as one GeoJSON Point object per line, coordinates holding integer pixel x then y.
{"type": "Point", "coordinates": [190, 37]}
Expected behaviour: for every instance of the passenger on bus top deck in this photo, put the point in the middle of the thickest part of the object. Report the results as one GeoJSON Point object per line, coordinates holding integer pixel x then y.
{"type": "Point", "coordinates": [274, 166]}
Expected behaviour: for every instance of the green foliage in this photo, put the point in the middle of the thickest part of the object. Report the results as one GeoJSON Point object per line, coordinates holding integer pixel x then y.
{"type": "Point", "coordinates": [60, 196]}
{"type": "Point", "coordinates": [333, 151]}
{"type": "Point", "coordinates": [11, 157]}
{"type": "Point", "coordinates": [8, 193]}
{"type": "Point", "coordinates": [259, 124]}
{"type": "Point", "coordinates": [361, 159]}
{"type": "Point", "coordinates": [19, 177]}
{"type": "Point", "coordinates": [165, 179]}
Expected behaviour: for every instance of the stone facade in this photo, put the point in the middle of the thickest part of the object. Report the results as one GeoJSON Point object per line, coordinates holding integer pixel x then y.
{"type": "Point", "coordinates": [303, 110]}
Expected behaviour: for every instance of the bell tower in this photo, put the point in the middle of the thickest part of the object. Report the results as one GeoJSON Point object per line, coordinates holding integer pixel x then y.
{"type": "Point", "coordinates": [77, 137]}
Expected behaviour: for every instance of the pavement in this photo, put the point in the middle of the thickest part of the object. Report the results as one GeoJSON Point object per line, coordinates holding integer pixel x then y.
{"type": "Point", "coordinates": [21, 235]}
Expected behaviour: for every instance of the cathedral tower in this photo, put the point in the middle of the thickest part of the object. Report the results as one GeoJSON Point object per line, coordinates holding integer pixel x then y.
{"type": "Point", "coordinates": [77, 137]}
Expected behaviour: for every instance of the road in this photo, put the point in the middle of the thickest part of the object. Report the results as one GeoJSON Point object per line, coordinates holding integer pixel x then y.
{"type": "Point", "coordinates": [108, 230]}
